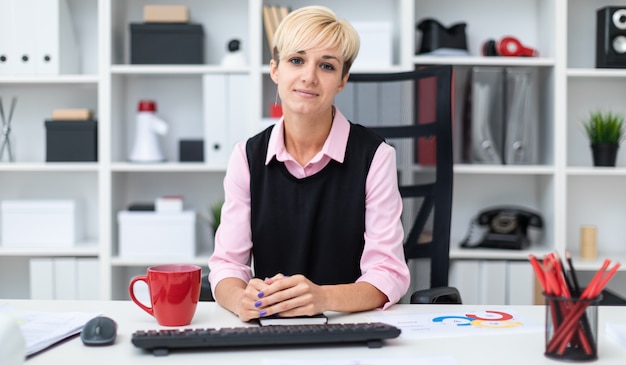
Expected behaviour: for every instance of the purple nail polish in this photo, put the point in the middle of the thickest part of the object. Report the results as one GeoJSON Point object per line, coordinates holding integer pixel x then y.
{"type": "Point", "coordinates": [257, 304]}
{"type": "Point", "coordinates": [262, 313]}
{"type": "Point", "coordinates": [260, 295]}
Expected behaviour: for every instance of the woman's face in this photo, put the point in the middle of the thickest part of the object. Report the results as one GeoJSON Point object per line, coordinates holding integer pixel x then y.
{"type": "Point", "coordinates": [309, 80]}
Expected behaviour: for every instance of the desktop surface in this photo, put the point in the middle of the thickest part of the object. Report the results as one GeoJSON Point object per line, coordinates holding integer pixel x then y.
{"type": "Point", "coordinates": [519, 348]}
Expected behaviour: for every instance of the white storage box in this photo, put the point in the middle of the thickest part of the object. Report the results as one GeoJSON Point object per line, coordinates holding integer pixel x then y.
{"type": "Point", "coordinates": [376, 49]}
{"type": "Point", "coordinates": [40, 223]}
{"type": "Point", "coordinates": [148, 234]}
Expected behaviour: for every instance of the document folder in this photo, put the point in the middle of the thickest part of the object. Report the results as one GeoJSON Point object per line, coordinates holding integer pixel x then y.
{"type": "Point", "coordinates": [522, 117]}
{"type": "Point", "coordinates": [483, 128]}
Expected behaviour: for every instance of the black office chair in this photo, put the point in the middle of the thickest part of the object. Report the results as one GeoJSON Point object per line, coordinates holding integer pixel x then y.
{"type": "Point", "coordinates": [423, 115]}
{"type": "Point", "coordinates": [206, 295]}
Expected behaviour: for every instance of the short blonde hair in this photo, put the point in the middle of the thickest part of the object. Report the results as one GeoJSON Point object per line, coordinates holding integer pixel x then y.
{"type": "Point", "coordinates": [316, 26]}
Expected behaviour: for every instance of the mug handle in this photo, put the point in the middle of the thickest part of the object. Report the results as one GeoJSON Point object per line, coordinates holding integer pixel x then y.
{"type": "Point", "coordinates": [131, 292]}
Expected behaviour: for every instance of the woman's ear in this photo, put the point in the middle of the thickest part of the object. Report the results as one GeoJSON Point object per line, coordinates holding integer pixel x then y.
{"type": "Point", "coordinates": [274, 71]}
{"type": "Point", "coordinates": [344, 81]}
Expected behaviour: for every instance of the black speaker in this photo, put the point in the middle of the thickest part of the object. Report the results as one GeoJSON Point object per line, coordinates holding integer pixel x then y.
{"type": "Point", "coordinates": [611, 37]}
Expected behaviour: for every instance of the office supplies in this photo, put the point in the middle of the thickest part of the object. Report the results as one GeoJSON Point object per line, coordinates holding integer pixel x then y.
{"type": "Point", "coordinates": [571, 319]}
{"type": "Point", "coordinates": [41, 328]}
{"type": "Point", "coordinates": [299, 320]}
{"type": "Point", "coordinates": [6, 129]}
{"type": "Point", "coordinates": [226, 115]}
{"type": "Point", "coordinates": [161, 341]}
{"type": "Point", "coordinates": [99, 331]}
{"type": "Point", "coordinates": [521, 118]}
{"type": "Point", "coordinates": [191, 150]}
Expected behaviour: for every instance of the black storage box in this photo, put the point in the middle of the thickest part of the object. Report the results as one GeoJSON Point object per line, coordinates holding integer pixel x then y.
{"type": "Point", "coordinates": [71, 141]}
{"type": "Point", "coordinates": [166, 44]}
{"type": "Point", "coordinates": [191, 150]}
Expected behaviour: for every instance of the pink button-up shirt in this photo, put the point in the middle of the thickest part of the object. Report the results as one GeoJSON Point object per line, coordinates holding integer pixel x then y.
{"type": "Point", "coordinates": [382, 263]}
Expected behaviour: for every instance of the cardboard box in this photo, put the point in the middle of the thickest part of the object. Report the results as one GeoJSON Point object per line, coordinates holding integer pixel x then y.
{"type": "Point", "coordinates": [71, 141]}
{"type": "Point", "coordinates": [165, 14]}
{"type": "Point", "coordinates": [166, 44]}
{"type": "Point", "coordinates": [40, 223]}
{"type": "Point", "coordinates": [149, 234]}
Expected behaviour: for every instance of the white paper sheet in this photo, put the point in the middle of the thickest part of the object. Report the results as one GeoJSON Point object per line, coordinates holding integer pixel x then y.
{"type": "Point", "coordinates": [462, 323]}
{"type": "Point", "coordinates": [43, 329]}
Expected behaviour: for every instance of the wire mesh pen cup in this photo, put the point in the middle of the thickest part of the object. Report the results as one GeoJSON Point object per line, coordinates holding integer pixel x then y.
{"type": "Point", "coordinates": [572, 328]}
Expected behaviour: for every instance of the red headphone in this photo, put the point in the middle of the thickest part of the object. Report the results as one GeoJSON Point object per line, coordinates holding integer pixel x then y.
{"type": "Point", "coordinates": [509, 47]}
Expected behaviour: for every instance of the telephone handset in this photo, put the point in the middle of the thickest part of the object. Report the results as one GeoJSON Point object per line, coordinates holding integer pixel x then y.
{"type": "Point", "coordinates": [504, 227]}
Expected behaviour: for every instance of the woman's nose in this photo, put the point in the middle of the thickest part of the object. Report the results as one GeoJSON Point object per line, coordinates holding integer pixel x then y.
{"type": "Point", "coordinates": [309, 74]}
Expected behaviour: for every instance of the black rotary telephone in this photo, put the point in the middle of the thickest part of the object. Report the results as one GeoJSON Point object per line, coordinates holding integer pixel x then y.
{"type": "Point", "coordinates": [504, 227]}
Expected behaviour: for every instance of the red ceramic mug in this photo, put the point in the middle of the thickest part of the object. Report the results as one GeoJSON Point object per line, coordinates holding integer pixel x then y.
{"type": "Point", "coordinates": [174, 293]}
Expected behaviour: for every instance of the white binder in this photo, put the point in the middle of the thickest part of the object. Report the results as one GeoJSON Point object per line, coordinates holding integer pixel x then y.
{"type": "Point", "coordinates": [56, 48]}
{"type": "Point", "coordinates": [226, 113]}
{"type": "Point", "coordinates": [65, 278]}
{"type": "Point", "coordinates": [23, 36]}
{"type": "Point", "coordinates": [6, 34]}
{"type": "Point", "coordinates": [238, 109]}
{"type": "Point", "coordinates": [216, 152]}
{"type": "Point", "coordinates": [41, 278]}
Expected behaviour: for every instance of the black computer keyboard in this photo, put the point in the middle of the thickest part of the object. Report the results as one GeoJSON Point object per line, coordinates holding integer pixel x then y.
{"type": "Point", "coordinates": [160, 342]}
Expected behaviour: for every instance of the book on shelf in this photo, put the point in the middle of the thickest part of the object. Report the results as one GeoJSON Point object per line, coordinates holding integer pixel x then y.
{"type": "Point", "coordinates": [299, 320]}
{"type": "Point", "coordinates": [272, 16]}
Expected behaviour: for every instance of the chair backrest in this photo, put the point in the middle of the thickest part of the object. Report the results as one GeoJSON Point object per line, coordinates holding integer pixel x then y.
{"type": "Point", "coordinates": [423, 115]}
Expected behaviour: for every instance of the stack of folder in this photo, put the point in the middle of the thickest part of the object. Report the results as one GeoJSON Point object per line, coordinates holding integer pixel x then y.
{"type": "Point", "coordinates": [37, 37]}
{"type": "Point", "coordinates": [501, 121]}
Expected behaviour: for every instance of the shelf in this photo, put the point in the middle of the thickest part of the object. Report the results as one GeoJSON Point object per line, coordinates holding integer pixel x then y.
{"type": "Point", "coordinates": [484, 61]}
{"type": "Point", "coordinates": [596, 171]}
{"type": "Point", "coordinates": [49, 79]}
{"type": "Point", "coordinates": [147, 261]}
{"type": "Point", "coordinates": [165, 167]}
{"type": "Point", "coordinates": [84, 249]}
{"type": "Point", "coordinates": [175, 69]}
{"type": "Point", "coordinates": [458, 253]}
{"type": "Point", "coordinates": [503, 169]}
{"type": "Point", "coordinates": [596, 73]}
{"type": "Point", "coordinates": [48, 167]}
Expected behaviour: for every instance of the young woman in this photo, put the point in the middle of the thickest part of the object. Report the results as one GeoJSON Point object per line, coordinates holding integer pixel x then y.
{"type": "Point", "coordinates": [311, 217]}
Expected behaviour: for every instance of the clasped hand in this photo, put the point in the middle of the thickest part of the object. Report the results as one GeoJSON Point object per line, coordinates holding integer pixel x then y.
{"type": "Point", "coordinates": [287, 296]}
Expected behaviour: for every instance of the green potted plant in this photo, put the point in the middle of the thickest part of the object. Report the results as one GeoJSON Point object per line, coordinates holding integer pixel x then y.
{"type": "Point", "coordinates": [605, 131]}
{"type": "Point", "coordinates": [216, 213]}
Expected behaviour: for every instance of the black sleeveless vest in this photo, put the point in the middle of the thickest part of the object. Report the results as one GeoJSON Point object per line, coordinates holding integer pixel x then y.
{"type": "Point", "coordinates": [312, 226]}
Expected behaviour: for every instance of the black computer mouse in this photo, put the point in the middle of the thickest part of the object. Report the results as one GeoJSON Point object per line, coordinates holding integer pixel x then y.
{"type": "Point", "coordinates": [99, 331]}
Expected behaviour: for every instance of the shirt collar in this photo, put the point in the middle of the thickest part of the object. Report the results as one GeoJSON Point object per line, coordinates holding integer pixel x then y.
{"type": "Point", "coordinates": [334, 146]}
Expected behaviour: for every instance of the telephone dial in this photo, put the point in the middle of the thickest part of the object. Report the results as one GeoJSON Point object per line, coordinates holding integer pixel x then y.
{"type": "Point", "coordinates": [504, 227]}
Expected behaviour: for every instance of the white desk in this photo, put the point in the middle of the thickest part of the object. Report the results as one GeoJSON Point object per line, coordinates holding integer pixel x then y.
{"type": "Point", "coordinates": [524, 349]}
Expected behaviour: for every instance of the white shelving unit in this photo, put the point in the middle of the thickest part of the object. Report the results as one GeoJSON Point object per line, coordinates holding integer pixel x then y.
{"type": "Point", "coordinates": [562, 186]}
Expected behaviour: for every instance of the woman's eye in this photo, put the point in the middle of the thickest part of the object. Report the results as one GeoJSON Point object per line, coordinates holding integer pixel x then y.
{"type": "Point", "coordinates": [327, 66]}
{"type": "Point", "coordinates": [296, 60]}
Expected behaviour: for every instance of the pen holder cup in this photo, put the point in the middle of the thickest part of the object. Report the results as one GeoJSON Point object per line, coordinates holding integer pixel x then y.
{"type": "Point", "coordinates": [572, 328]}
